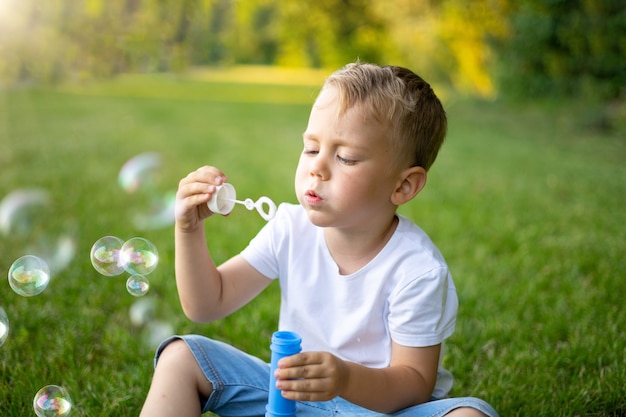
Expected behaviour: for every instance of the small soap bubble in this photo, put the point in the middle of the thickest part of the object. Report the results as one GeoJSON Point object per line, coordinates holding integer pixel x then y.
{"type": "Point", "coordinates": [139, 256]}
{"type": "Point", "coordinates": [4, 326]}
{"type": "Point", "coordinates": [52, 401]}
{"type": "Point", "coordinates": [137, 285]}
{"type": "Point", "coordinates": [105, 256]}
{"type": "Point", "coordinates": [29, 275]}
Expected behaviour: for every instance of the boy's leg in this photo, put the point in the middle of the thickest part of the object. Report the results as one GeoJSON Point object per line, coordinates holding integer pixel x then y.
{"type": "Point", "coordinates": [461, 407]}
{"type": "Point", "coordinates": [178, 384]}
{"type": "Point", "coordinates": [201, 374]}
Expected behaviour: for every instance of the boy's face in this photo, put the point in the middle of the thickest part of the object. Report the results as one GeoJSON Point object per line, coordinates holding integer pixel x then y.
{"type": "Point", "coordinates": [345, 175]}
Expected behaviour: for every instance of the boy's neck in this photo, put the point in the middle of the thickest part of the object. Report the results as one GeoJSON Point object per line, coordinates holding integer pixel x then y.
{"type": "Point", "coordinates": [353, 249]}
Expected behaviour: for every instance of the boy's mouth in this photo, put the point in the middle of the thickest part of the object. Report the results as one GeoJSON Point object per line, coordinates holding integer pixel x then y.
{"type": "Point", "coordinates": [312, 197]}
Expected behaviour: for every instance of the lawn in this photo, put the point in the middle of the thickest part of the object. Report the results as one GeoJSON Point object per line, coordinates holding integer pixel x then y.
{"type": "Point", "coordinates": [526, 203]}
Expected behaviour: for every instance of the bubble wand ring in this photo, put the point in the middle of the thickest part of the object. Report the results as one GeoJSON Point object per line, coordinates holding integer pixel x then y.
{"type": "Point", "coordinates": [259, 205]}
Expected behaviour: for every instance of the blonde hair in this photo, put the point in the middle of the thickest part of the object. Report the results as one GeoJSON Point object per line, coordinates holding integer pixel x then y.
{"type": "Point", "coordinates": [398, 98]}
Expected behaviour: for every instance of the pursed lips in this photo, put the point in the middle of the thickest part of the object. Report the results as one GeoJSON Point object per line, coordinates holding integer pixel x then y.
{"type": "Point", "coordinates": [312, 197]}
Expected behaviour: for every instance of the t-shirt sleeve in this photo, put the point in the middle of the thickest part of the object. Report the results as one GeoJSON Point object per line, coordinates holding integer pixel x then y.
{"type": "Point", "coordinates": [423, 312]}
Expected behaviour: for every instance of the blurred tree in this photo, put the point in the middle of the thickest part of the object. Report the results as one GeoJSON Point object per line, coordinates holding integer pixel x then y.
{"type": "Point", "coordinates": [465, 29]}
{"type": "Point", "coordinates": [534, 46]}
{"type": "Point", "coordinates": [255, 38]}
{"type": "Point", "coordinates": [328, 33]}
{"type": "Point", "coordinates": [213, 33]}
{"type": "Point", "coordinates": [572, 47]}
{"type": "Point", "coordinates": [411, 37]}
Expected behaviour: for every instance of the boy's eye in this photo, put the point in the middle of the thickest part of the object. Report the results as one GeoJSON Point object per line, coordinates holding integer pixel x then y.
{"type": "Point", "coordinates": [345, 161]}
{"type": "Point", "coordinates": [310, 151]}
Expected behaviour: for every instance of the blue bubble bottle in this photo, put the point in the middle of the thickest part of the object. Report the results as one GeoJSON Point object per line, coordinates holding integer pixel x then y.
{"type": "Point", "coordinates": [283, 344]}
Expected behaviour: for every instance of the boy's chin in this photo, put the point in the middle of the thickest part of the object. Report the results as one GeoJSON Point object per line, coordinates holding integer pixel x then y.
{"type": "Point", "coordinates": [318, 218]}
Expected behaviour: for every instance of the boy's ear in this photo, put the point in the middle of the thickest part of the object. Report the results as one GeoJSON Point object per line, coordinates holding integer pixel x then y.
{"type": "Point", "coordinates": [412, 180]}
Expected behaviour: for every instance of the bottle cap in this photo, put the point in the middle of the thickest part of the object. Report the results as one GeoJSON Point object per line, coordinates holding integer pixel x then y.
{"type": "Point", "coordinates": [223, 199]}
{"type": "Point", "coordinates": [286, 343]}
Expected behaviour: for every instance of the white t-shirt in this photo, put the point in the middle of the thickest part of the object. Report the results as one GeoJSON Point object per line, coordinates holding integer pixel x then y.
{"type": "Point", "coordinates": [405, 293]}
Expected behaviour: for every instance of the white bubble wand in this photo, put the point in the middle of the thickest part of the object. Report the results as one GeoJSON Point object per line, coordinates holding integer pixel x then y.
{"type": "Point", "coordinates": [225, 197]}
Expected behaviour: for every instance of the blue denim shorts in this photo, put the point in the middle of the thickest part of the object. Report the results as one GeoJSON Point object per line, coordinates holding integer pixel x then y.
{"type": "Point", "coordinates": [241, 383]}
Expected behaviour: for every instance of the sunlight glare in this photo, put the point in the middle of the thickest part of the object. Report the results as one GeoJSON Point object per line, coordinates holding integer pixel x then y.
{"type": "Point", "coordinates": [10, 14]}
{"type": "Point", "coordinates": [5, 7]}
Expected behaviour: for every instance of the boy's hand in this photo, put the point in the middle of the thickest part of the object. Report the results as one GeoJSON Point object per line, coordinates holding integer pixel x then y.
{"type": "Point", "coordinates": [311, 376]}
{"type": "Point", "coordinates": [194, 191]}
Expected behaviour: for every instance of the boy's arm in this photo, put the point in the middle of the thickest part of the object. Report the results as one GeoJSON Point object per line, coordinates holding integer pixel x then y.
{"type": "Point", "coordinates": [207, 292]}
{"type": "Point", "coordinates": [320, 376]}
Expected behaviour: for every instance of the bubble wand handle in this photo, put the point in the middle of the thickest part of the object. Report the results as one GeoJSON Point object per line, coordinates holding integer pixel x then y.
{"type": "Point", "coordinates": [259, 205]}
{"type": "Point", "coordinates": [283, 344]}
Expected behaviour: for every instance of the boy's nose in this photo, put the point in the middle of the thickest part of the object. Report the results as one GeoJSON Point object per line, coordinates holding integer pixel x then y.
{"type": "Point", "coordinates": [319, 168]}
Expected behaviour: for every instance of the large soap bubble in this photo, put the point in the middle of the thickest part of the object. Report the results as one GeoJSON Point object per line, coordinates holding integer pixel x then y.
{"type": "Point", "coordinates": [52, 401]}
{"type": "Point", "coordinates": [154, 206]}
{"type": "Point", "coordinates": [139, 256]}
{"type": "Point", "coordinates": [105, 256]}
{"type": "Point", "coordinates": [35, 225]}
{"type": "Point", "coordinates": [29, 275]}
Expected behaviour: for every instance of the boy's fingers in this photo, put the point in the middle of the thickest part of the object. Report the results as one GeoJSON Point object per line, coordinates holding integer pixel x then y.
{"type": "Point", "coordinates": [300, 359]}
{"type": "Point", "coordinates": [302, 385]}
{"type": "Point", "coordinates": [299, 372]}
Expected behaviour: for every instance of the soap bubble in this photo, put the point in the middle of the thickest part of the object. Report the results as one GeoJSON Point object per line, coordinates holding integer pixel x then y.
{"type": "Point", "coordinates": [35, 225]}
{"type": "Point", "coordinates": [156, 331]}
{"type": "Point", "coordinates": [105, 256]}
{"type": "Point", "coordinates": [137, 285]}
{"type": "Point", "coordinates": [29, 275]}
{"type": "Point", "coordinates": [142, 176]}
{"type": "Point", "coordinates": [158, 215]}
{"type": "Point", "coordinates": [142, 311]}
{"type": "Point", "coordinates": [52, 401]}
{"type": "Point", "coordinates": [18, 208]}
{"type": "Point", "coordinates": [4, 326]}
{"type": "Point", "coordinates": [140, 171]}
{"type": "Point", "coordinates": [139, 256]}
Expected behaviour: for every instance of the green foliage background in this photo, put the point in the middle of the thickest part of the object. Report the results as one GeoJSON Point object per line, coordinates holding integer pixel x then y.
{"type": "Point", "coordinates": [483, 47]}
{"type": "Point", "coordinates": [565, 48]}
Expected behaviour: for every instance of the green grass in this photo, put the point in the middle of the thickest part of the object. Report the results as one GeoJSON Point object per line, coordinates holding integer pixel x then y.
{"type": "Point", "coordinates": [526, 205]}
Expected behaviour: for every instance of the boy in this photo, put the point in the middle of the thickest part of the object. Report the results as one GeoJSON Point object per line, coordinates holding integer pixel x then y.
{"type": "Point", "coordinates": [366, 289]}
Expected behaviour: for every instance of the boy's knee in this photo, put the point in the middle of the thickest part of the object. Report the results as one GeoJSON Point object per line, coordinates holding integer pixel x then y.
{"type": "Point", "coordinates": [465, 412]}
{"type": "Point", "coordinates": [175, 353]}
{"type": "Point", "coordinates": [177, 360]}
